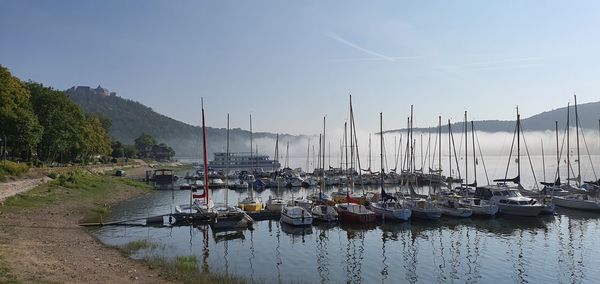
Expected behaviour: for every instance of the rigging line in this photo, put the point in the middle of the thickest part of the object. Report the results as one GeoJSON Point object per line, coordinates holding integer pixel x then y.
{"type": "Point", "coordinates": [530, 163]}
{"type": "Point", "coordinates": [589, 156]}
{"type": "Point", "coordinates": [362, 182]}
{"type": "Point", "coordinates": [562, 146]}
{"type": "Point", "coordinates": [398, 152]}
{"type": "Point", "coordinates": [512, 145]}
{"type": "Point", "coordinates": [427, 157]}
{"type": "Point", "coordinates": [455, 156]}
{"type": "Point", "coordinates": [482, 160]}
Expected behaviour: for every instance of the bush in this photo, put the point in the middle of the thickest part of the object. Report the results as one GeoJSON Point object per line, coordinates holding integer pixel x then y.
{"type": "Point", "coordinates": [12, 169]}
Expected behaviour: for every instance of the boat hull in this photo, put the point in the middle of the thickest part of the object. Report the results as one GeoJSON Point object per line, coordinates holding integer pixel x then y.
{"type": "Point", "coordinates": [400, 214]}
{"type": "Point", "coordinates": [456, 212]}
{"type": "Point", "coordinates": [426, 214]}
{"type": "Point", "coordinates": [296, 221]}
{"type": "Point", "coordinates": [251, 207]}
{"type": "Point", "coordinates": [524, 211]}
{"type": "Point", "coordinates": [577, 204]}
{"type": "Point", "coordinates": [350, 217]}
{"type": "Point", "coordinates": [489, 211]}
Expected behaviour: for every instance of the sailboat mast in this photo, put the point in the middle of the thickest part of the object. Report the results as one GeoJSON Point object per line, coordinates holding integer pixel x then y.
{"type": "Point", "coordinates": [318, 154]}
{"type": "Point", "coordinates": [466, 152]}
{"type": "Point", "coordinates": [276, 151]}
{"type": "Point", "coordinates": [227, 166]}
{"type": "Point", "coordinates": [577, 131]}
{"type": "Point", "coordinates": [308, 155]}
{"type": "Point", "coordinates": [346, 150]}
{"type": "Point", "coordinates": [369, 151]}
{"type": "Point", "coordinates": [205, 155]}
{"type": "Point", "coordinates": [518, 145]}
{"type": "Point", "coordinates": [251, 149]}
{"type": "Point", "coordinates": [568, 146]}
{"type": "Point", "coordinates": [440, 144]}
{"type": "Point", "coordinates": [557, 153]}
{"type": "Point", "coordinates": [474, 156]}
{"type": "Point", "coordinates": [449, 152]}
{"type": "Point", "coordinates": [412, 149]}
{"type": "Point", "coordinates": [323, 169]}
{"type": "Point", "coordinates": [351, 148]}
{"type": "Point", "coordinates": [381, 151]}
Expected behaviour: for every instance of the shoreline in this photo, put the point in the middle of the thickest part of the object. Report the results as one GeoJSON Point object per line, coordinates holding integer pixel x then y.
{"type": "Point", "coordinates": [43, 242]}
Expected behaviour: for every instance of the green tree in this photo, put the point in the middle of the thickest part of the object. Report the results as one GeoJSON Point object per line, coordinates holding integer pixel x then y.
{"type": "Point", "coordinates": [162, 152]}
{"type": "Point", "coordinates": [17, 120]}
{"type": "Point", "coordinates": [96, 140]}
{"type": "Point", "coordinates": [120, 150]}
{"type": "Point", "coordinates": [63, 122]}
{"type": "Point", "coordinates": [144, 144]}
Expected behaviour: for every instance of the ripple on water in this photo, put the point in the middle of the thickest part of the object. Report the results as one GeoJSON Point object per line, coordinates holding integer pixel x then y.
{"type": "Point", "coordinates": [561, 248]}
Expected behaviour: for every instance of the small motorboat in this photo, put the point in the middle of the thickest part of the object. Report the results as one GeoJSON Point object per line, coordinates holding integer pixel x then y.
{"type": "Point", "coordinates": [296, 216]}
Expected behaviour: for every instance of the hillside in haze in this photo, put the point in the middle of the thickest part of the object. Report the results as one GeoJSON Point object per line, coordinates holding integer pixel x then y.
{"type": "Point", "coordinates": [130, 119]}
{"type": "Point", "coordinates": [589, 115]}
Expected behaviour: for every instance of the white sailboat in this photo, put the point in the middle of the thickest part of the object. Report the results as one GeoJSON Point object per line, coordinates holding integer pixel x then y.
{"type": "Point", "coordinates": [388, 208]}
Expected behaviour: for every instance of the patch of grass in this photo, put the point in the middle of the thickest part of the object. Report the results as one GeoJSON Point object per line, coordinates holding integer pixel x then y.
{"type": "Point", "coordinates": [186, 263]}
{"type": "Point", "coordinates": [184, 269]}
{"type": "Point", "coordinates": [74, 188]}
{"type": "Point", "coordinates": [96, 215]}
{"type": "Point", "coordinates": [12, 169]}
{"type": "Point", "coordinates": [132, 248]}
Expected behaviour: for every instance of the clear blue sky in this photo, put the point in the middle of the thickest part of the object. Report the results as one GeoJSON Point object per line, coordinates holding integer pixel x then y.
{"type": "Point", "coordinates": [291, 62]}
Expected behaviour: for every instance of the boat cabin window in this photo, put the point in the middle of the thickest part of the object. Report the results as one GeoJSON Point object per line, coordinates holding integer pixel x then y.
{"type": "Point", "coordinates": [497, 193]}
{"type": "Point", "coordinates": [523, 202]}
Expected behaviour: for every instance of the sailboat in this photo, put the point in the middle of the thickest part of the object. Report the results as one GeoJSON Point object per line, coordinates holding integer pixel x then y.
{"type": "Point", "coordinates": [322, 210]}
{"type": "Point", "coordinates": [388, 208]}
{"type": "Point", "coordinates": [275, 203]}
{"type": "Point", "coordinates": [250, 203]}
{"type": "Point", "coordinates": [228, 217]}
{"type": "Point", "coordinates": [509, 199]}
{"type": "Point", "coordinates": [580, 200]}
{"type": "Point", "coordinates": [555, 188]}
{"type": "Point", "coordinates": [420, 207]}
{"type": "Point", "coordinates": [200, 203]}
{"type": "Point", "coordinates": [352, 210]}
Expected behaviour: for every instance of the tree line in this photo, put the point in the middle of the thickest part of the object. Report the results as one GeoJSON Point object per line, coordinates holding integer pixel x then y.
{"type": "Point", "coordinates": [43, 125]}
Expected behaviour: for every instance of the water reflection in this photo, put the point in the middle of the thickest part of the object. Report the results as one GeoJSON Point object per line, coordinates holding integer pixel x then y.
{"type": "Point", "coordinates": [559, 248]}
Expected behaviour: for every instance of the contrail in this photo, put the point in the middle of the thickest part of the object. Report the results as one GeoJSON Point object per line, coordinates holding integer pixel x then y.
{"type": "Point", "coordinates": [376, 54]}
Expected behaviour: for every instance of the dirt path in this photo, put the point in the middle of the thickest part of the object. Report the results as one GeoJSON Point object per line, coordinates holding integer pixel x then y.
{"type": "Point", "coordinates": [47, 245]}
{"type": "Point", "coordinates": [8, 189]}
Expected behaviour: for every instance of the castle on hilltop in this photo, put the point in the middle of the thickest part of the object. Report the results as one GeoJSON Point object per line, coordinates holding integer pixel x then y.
{"type": "Point", "coordinates": [87, 90]}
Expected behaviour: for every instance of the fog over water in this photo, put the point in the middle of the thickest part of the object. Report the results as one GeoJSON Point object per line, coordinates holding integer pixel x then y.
{"type": "Point", "coordinates": [495, 150]}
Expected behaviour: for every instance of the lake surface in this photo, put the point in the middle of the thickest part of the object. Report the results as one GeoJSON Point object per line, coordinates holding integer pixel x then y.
{"type": "Point", "coordinates": [557, 248]}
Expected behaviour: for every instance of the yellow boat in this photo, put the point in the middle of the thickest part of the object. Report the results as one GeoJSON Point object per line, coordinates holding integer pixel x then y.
{"type": "Point", "coordinates": [251, 204]}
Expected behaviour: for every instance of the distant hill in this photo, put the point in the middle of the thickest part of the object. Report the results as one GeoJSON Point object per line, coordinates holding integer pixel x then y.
{"type": "Point", "coordinates": [130, 119]}
{"type": "Point", "coordinates": [589, 114]}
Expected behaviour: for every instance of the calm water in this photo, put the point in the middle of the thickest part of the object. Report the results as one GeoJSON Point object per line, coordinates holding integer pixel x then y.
{"type": "Point", "coordinates": [561, 248]}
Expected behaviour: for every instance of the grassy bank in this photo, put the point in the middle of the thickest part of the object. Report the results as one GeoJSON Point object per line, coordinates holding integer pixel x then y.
{"type": "Point", "coordinates": [84, 197]}
{"type": "Point", "coordinates": [90, 195]}
{"type": "Point", "coordinates": [184, 269]}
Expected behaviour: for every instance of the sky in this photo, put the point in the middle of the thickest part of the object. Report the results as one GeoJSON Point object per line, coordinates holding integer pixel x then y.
{"type": "Point", "coordinates": [289, 63]}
